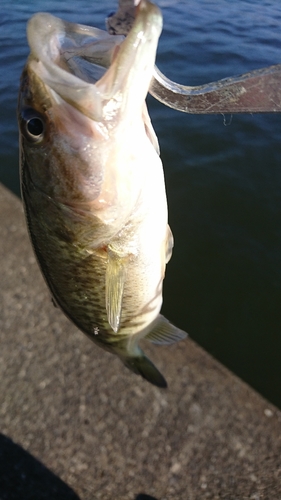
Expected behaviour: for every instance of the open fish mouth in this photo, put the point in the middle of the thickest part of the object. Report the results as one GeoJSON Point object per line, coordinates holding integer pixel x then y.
{"type": "Point", "coordinates": [71, 60]}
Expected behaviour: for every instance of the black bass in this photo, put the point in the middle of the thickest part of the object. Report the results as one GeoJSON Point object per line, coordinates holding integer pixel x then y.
{"type": "Point", "coordinates": [92, 181]}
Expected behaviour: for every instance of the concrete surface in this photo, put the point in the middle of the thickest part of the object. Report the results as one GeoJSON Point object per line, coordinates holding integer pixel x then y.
{"type": "Point", "coordinates": [75, 424]}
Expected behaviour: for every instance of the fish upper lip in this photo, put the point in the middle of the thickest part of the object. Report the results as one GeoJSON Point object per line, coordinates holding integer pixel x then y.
{"type": "Point", "coordinates": [132, 63]}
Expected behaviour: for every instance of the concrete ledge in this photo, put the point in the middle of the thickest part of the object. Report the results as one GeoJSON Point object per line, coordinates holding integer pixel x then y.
{"type": "Point", "coordinates": [75, 424]}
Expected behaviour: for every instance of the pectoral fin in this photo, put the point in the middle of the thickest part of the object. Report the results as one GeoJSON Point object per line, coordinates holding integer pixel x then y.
{"type": "Point", "coordinates": [114, 287]}
{"type": "Point", "coordinates": [164, 333]}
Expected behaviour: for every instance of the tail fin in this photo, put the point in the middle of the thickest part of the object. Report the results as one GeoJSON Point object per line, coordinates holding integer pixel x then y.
{"type": "Point", "coordinates": [144, 367]}
{"type": "Point", "coordinates": [161, 332]}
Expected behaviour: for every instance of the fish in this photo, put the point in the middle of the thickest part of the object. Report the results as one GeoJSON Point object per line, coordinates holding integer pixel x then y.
{"type": "Point", "coordinates": [92, 181]}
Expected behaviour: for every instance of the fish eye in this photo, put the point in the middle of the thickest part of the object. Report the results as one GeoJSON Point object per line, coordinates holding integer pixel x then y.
{"type": "Point", "coordinates": [33, 125]}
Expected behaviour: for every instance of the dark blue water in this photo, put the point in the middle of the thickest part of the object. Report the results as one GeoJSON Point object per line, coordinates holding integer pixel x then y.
{"type": "Point", "coordinates": [223, 175]}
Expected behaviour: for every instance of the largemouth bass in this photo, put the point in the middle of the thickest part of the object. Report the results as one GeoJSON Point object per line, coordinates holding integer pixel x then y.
{"type": "Point", "coordinates": [92, 181]}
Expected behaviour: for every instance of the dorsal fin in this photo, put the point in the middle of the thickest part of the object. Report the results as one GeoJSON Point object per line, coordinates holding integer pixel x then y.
{"type": "Point", "coordinates": [164, 333]}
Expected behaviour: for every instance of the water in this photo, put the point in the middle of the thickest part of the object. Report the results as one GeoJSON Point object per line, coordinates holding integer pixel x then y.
{"type": "Point", "coordinates": [223, 284]}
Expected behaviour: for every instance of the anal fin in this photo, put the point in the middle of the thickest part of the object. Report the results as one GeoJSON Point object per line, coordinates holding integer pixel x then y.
{"type": "Point", "coordinates": [164, 333]}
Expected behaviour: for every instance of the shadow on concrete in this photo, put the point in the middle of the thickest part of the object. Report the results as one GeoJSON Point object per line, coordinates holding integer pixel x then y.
{"type": "Point", "coordinates": [23, 477]}
{"type": "Point", "coordinates": [143, 496]}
